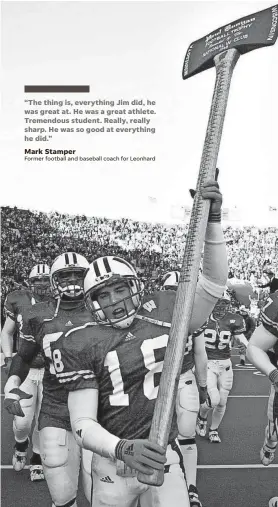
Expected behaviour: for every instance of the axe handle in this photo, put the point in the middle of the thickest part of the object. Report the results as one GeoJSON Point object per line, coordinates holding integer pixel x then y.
{"type": "Point", "coordinates": [165, 402]}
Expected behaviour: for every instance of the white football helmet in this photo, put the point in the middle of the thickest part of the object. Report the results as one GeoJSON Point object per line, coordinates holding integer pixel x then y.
{"type": "Point", "coordinates": [103, 272]}
{"type": "Point", "coordinates": [171, 280]}
{"type": "Point", "coordinates": [67, 275]}
{"type": "Point", "coordinates": [39, 279]}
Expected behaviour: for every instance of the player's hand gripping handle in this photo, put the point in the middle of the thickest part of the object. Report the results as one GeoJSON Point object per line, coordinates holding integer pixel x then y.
{"type": "Point", "coordinates": [141, 455]}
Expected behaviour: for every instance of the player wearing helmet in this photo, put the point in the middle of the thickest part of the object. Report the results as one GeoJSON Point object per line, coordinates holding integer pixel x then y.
{"type": "Point", "coordinates": [16, 304]}
{"type": "Point", "coordinates": [222, 326]}
{"type": "Point", "coordinates": [262, 351]}
{"type": "Point", "coordinates": [42, 327]}
{"type": "Point", "coordinates": [112, 372]}
{"type": "Point", "coordinates": [189, 398]}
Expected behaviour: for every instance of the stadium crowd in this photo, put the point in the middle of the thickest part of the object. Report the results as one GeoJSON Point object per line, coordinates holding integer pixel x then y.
{"type": "Point", "coordinates": [30, 237]}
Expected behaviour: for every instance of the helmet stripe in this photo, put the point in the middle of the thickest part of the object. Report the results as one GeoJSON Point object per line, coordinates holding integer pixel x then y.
{"type": "Point", "coordinates": [177, 278]}
{"type": "Point", "coordinates": [106, 265]}
{"type": "Point", "coordinates": [43, 268]}
{"type": "Point", "coordinates": [96, 268]}
{"type": "Point", "coordinates": [74, 258]}
{"type": "Point", "coordinates": [67, 258]}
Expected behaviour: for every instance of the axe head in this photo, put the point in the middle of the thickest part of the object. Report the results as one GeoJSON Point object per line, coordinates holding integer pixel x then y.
{"type": "Point", "coordinates": [245, 34]}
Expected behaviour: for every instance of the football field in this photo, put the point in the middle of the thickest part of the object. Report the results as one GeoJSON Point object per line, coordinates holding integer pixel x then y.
{"type": "Point", "coordinates": [229, 474]}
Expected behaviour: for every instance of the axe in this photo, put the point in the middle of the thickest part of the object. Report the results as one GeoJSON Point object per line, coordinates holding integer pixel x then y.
{"type": "Point", "coordinates": [220, 48]}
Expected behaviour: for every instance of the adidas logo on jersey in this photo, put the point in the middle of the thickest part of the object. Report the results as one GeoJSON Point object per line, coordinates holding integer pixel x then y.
{"type": "Point", "coordinates": [149, 305]}
{"type": "Point", "coordinates": [107, 479]}
{"type": "Point", "coordinates": [129, 337]}
{"type": "Point", "coordinates": [69, 323]}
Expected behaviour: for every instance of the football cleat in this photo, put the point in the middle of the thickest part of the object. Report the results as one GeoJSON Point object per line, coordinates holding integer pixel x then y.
{"type": "Point", "coordinates": [19, 459]}
{"type": "Point", "coordinates": [36, 473]}
{"type": "Point", "coordinates": [201, 426]}
{"type": "Point", "coordinates": [214, 438]}
{"type": "Point", "coordinates": [193, 496]}
{"type": "Point", "coordinates": [267, 455]}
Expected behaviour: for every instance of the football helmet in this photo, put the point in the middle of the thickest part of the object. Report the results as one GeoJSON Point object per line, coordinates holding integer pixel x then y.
{"type": "Point", "coordinates": [222, 306]}
{"type": "Point", "coordinates": [171, 280]}
{"type": "Point", "coordinates": [67, 275]}
{"type": "Point", "coordinates": [243, 310]}
{"type": "Point", "coordinates": [39, 279]}
{"type": "Point", "coordinates": [104, 272]}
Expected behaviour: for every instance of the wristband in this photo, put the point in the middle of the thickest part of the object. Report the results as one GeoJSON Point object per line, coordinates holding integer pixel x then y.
{"type": "Point", "coordinates": [273, 376]}
{"type": "Point", "coordinates": [214, 217]}
{"type": "Point", "coordinates": [119, 449]}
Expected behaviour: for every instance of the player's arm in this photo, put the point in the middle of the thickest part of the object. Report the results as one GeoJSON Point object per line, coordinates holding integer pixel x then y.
{"type": "Point", "coordinates": [7, 334]}
{"type": "Point", "coordinates": [260, 342]}
{"type": "Point", "coordinates": [212, 281]}
{"type": "Point", "coordinates": [238, 332]}
{"type": "Point", "coordinates": [142, 455]}
{"type": "Point", "coordinates": [201, 362]}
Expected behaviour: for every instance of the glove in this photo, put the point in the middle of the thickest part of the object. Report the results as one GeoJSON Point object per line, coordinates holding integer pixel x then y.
{"type": "Point", "coordinates": [273, 377]}
{"type": "Point", "coordinates": [203, 394]}
{"type": "Point", "coordinates": [7, 365]}
{"type": "Point", "coordinates": [12, 401]}
{"type": "Point", "coordinates": [211, 191]}
{"type": "Point", "coordinates": [142, 455]}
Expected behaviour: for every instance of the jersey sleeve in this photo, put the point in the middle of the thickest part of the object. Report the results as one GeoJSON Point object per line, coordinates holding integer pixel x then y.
{"type": "Point", "coordinates": [28, 348]}
{"type": "Point", "coordinates": [10, 308]}
{"type": "Point", "coordinates": [74, 365]}
{"type": "Point", "coordinates": [269, 314]}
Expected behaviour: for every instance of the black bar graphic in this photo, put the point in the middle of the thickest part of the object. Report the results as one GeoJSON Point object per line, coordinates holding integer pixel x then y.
{"type": "Point", "coordinates": [56, 88]}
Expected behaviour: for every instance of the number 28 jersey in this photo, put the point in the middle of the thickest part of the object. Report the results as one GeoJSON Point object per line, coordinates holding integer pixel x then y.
{"type": "Point", "coordinates": [219, 334]}
{"type": "Point", "coordinates": [123, 364]}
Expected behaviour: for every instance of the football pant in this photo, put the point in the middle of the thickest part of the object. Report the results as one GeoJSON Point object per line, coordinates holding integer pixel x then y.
{"type": "Point", "coordinates": [31, 408]}
{"type": "Point", "coordinates": [60, 456]}
{"type": "Point", "coordinates": [220, 381]}
{"type": "Point", "coordinates": [112, 489]}
{"type": "Point", "coordinates": [187, 405]}
{"type": "Point", "coordinates": [86, 466]}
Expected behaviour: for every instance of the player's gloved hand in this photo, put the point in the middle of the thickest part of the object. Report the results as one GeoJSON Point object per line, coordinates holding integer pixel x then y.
{"type": "Point", "coordinates": [203, 394]}
{"type": "Point", "coordinates": [142, 455]}
{"type": "Point", "coordinates": [7, 365]}
{"type": "Point", "coordinates": [211, 191]}
{"type": "Point", "coordinates": [12, 401]}
{"type": "Point", "coordinates": [273, 377]}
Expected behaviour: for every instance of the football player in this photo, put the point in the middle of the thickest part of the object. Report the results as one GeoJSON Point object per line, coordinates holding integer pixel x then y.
{"type": "Point", "coordinates": [190, 394]}
{"type": "Point", "coordinates": [112, 372]}
{"type": "Point", "coordinates": [42, 327]}
{"type": "Point", "coordinates": [250, 325]}
{"type": "Point", "coordinates": [16, 302]}
{"type": "Point", "coordinates": [222, 326]}
{"type": "Point", "coordinates": [262, 351]}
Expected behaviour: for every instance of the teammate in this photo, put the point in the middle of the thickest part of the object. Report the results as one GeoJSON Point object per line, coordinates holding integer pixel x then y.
{"type": "Point", "coordinates": [262, 351]}
{"type": "Point", "coordinates": [222, 326]}
{"type": "Point", "coordinates": [42, 327]}
{"type": "Point", "coordinates": [189, 398]}
{"type": "Point", "coordinates": [112, 372]}
{"type": "Point", "coordinates": [16, 303]}
{"type": "Point", "coordinates": [250, 326]}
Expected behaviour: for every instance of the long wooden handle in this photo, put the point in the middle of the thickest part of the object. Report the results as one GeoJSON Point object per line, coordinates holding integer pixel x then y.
{"type": "Point", "coordinates": [164, 407]}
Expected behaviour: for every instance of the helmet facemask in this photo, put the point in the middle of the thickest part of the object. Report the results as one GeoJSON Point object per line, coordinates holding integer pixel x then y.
{"type": "Point", "coordinates": [40, 285]}
{"type": "Point", "coordinates": [68, 283]}
{"type": "Point", "coordinates": [220, 309]}
{"type": "Point", "coordinates": [126, 300]}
